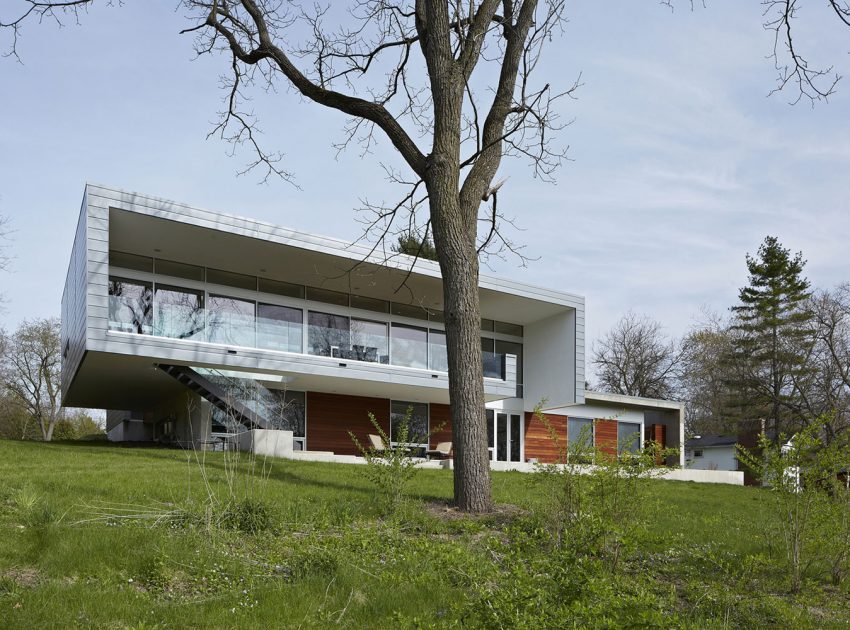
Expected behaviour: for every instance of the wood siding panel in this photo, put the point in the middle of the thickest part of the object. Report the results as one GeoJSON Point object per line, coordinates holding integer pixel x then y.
{"type": "Point", "coordinates": [605, 436]}
{"type": "Point", "coordinates": [440, 414]}
{"type": "Point", "coordinates": [538, 442]}
{"type": "Point", "coordinates": [331, 416]}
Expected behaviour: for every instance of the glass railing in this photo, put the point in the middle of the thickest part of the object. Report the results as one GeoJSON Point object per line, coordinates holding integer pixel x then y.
{"type": "Point", "coordinates": [194, 315]}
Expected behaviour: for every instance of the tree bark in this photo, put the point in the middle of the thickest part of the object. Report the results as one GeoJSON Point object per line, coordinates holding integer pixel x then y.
{"type": "Point", "coordinates": [459, 266]}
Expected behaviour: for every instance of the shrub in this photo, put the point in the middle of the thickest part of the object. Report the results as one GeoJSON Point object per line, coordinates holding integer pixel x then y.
{"type": "Point", "coordinates": [811, 500]}
{"type": "Point", "coordinates": [392, 469]}
{"type": "Point", "coordinates": [595, 501]}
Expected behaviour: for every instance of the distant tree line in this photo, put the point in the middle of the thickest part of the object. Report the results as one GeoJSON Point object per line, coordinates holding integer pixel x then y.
{"type": "Point", "coordinates": [30, 392]}
{"type": "Point", "coordinates": [779, 358]}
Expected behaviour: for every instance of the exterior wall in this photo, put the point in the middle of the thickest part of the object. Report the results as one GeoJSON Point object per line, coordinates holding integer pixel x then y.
{"type": "Point", "coordinates": [130, 430]}
{"type": "Point", "coordinates": [713, 458]}
{"type": "Point", "coordinates": [331, 416]}
{"type": "Point", "coordinates": [190, 415]}
{"type": "Point", "coordinates": [605, 436]}
{"type": "Point", "coordinates": [440, 414]}
{"type": "Point", "coordinates": [73, 330]}
{"type": "Point", "coordinates": [553, 368]}
{"type": "Point", "coordinates": [538, 443]}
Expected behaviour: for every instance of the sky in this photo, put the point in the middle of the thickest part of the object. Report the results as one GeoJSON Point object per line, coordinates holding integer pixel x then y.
{"type": "Point", "coordinates": [680, 162]}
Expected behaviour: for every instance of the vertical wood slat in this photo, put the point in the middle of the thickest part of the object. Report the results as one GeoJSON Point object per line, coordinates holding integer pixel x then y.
{"type": "Point", "coordinates": [605, 436]}
{"type": "Point", "coordinates": [331, 416]}
{"type": "Point", "coordinates": [538, 442]}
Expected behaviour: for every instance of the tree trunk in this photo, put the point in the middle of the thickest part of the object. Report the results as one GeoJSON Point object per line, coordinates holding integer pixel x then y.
{"type": "Point", "coordinates": [455, 241]}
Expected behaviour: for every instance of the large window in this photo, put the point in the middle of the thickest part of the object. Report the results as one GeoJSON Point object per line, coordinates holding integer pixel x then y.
{"type": "Point", "coordinates": [328, 335]}
{"type": "Point", "coordinates": [580, 429]}
{"type": "Point", "coordinates": [628, 437]}
{"type": "Point", "coordinates": [369, 341]}
{"type": "Point", "coordinates": [279, 327]}
{"type": "Point", "coordinates": [130, 306]}
{"type": "Point", "coordinates": [492, 361]}
{"type": "Point", "coordinates": [230, 321]}
{"type": "Point", "coordinates": [417, 424]}
{"type": "Point", "coordinates": [438, 358]}
{"type": "Point", "coordinates": [410, 346]}
{"type": "Point", "coordinates": [287, 412]}
{"type": "Point", "coordinates": [179, 313]}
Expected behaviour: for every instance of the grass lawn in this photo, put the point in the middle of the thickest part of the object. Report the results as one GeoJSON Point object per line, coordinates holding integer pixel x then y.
{"type": "Point", "coordinates": [323, 555]}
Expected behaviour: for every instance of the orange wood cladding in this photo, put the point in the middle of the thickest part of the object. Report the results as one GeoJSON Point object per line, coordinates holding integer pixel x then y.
{"type": "Point", "coordinates": [538, 443]}
{"type": "Point", "coordinates": [658, 433]}
{"type": "Point", "coordinates": [605, 436]}
{"type": "Point", "coordinates": [331, 416]}
{"type": "Point", "coordinates": [440, 414]}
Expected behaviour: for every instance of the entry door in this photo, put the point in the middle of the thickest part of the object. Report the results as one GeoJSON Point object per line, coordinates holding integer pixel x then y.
{"type": "Point", "coordinates": [504, 431]}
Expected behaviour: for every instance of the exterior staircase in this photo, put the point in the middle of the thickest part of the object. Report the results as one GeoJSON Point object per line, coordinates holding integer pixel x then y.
{"type": "Point", "coordinates": [216, 395]}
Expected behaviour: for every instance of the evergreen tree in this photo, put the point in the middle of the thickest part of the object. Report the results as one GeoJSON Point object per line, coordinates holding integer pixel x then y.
{"type": "Point", "coordinates": [412, 245]}
{"type": "Point", "coordinates": [772, 337]}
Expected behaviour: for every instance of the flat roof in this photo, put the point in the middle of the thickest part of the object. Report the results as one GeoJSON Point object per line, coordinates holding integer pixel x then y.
{"type": "Point", "coordinates": [632, 401]}
{"type": "Point", "coordinates": [352, 252]}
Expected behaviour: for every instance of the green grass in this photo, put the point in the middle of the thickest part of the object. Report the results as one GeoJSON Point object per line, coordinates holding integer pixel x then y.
{"type": "Point", "coordinates": [326, 556]}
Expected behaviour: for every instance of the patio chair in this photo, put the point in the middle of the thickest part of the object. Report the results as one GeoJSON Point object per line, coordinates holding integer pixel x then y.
{"type": "Point", "coordinates": [376, 443]}
{"type": "Point", "coordinates": [441, 451]}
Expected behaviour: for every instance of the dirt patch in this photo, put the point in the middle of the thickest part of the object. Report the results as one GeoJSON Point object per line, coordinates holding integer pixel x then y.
{"type": "Point", "coordinates": [502, 512]}
{"type": "Point", "coordinates": [26, 577]}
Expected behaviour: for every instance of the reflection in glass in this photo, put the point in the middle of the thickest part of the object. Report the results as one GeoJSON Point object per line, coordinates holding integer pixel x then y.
{"type": "Point", "coordinates": [279, 327]}
{"type": "Point", "coordinates": [501, 437]}
{"type": "Point", "coordinates": [410, 346]}
{"type": "Point", "coordinates": [179, 313]}
{"type": "Point", "coordinates": [417, 425]}
{"type": "Point", "coordinates": [230, 321]}
{"type": "Point", "coordinates": [328, 335]}
{"type": "Point", "coordinates": [580, 429]}
{"type": "Point", "coordinates": [437, 356]}
{"type": "Point", "coordinates": [492, 361]}
{"type": "Point", "coordinates": [515, 438]}
{"type": "Point", "coordinates": [628, 437]}
{"type": "Point", "coordinates": [130, 306]}
{"type": "Point", "coordinates": [369, 341]}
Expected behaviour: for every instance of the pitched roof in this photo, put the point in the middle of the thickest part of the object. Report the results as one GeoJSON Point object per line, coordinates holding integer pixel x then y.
{"type": "Point", "coordinates": [712, 440]}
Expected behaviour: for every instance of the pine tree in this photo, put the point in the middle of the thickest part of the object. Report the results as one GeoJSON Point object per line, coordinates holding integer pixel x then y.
{"type": "Point", "coordinates": [412, 245]}
{"type": "Point", "coordinates": [772, 337]}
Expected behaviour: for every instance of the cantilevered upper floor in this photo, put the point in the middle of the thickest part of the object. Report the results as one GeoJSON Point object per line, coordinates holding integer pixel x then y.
{"type": "Point", "coordinates": [155, 282]}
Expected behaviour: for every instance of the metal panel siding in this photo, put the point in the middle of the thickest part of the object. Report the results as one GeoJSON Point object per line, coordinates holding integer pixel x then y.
{"type": "Point", "coordinates": [73, 327]}
{"type": "Point", "coordinates": [97, 257]}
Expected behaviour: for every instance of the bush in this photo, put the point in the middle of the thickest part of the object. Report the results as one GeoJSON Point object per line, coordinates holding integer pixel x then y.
{"type": "Point", "coordinates": [392, 469]}
{"type": "Point", "coordinates": [594, 501]}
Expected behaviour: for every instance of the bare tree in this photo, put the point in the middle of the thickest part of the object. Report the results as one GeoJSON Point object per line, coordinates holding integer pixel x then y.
{"type": "Point", "coordinates": [449, 84]}
{"type": "Point", "coordinates": [794, 72]}
{"type": "Point", "coordinates": [824, 389]}
{"type": "Point", "coordinates": [636, 358]}
{"type": "Point", "coordinates": [31, 372]}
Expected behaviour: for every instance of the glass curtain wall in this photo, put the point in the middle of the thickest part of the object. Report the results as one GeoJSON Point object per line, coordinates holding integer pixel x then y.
{"type": "Point", "coordinates": [417, 424]}
{"type": "Point", "coordinates": [369, 341]}
{"type": "Point", "coordinates": [328, 335]}
{"type": "Point", "coordinates": [438, 358]}
{"type": "Point", "coordinates": [410, 346]}
{"type": "Point", "coordinates": [279, 328]}
{"type": "Point", "coordinates": [230, 321]}
{"type": "Point", "coordinates": [131, 306]}
{"type": "Point", "coordinates": [178, 313]}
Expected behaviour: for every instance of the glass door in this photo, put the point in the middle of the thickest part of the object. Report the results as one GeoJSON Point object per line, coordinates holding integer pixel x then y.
{"type": "Point", "coordinates": [505, 436]}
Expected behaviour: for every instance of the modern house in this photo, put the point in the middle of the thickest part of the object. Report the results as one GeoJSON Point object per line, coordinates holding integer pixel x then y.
{"type": "Point", "coordinates": [191, 325]}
